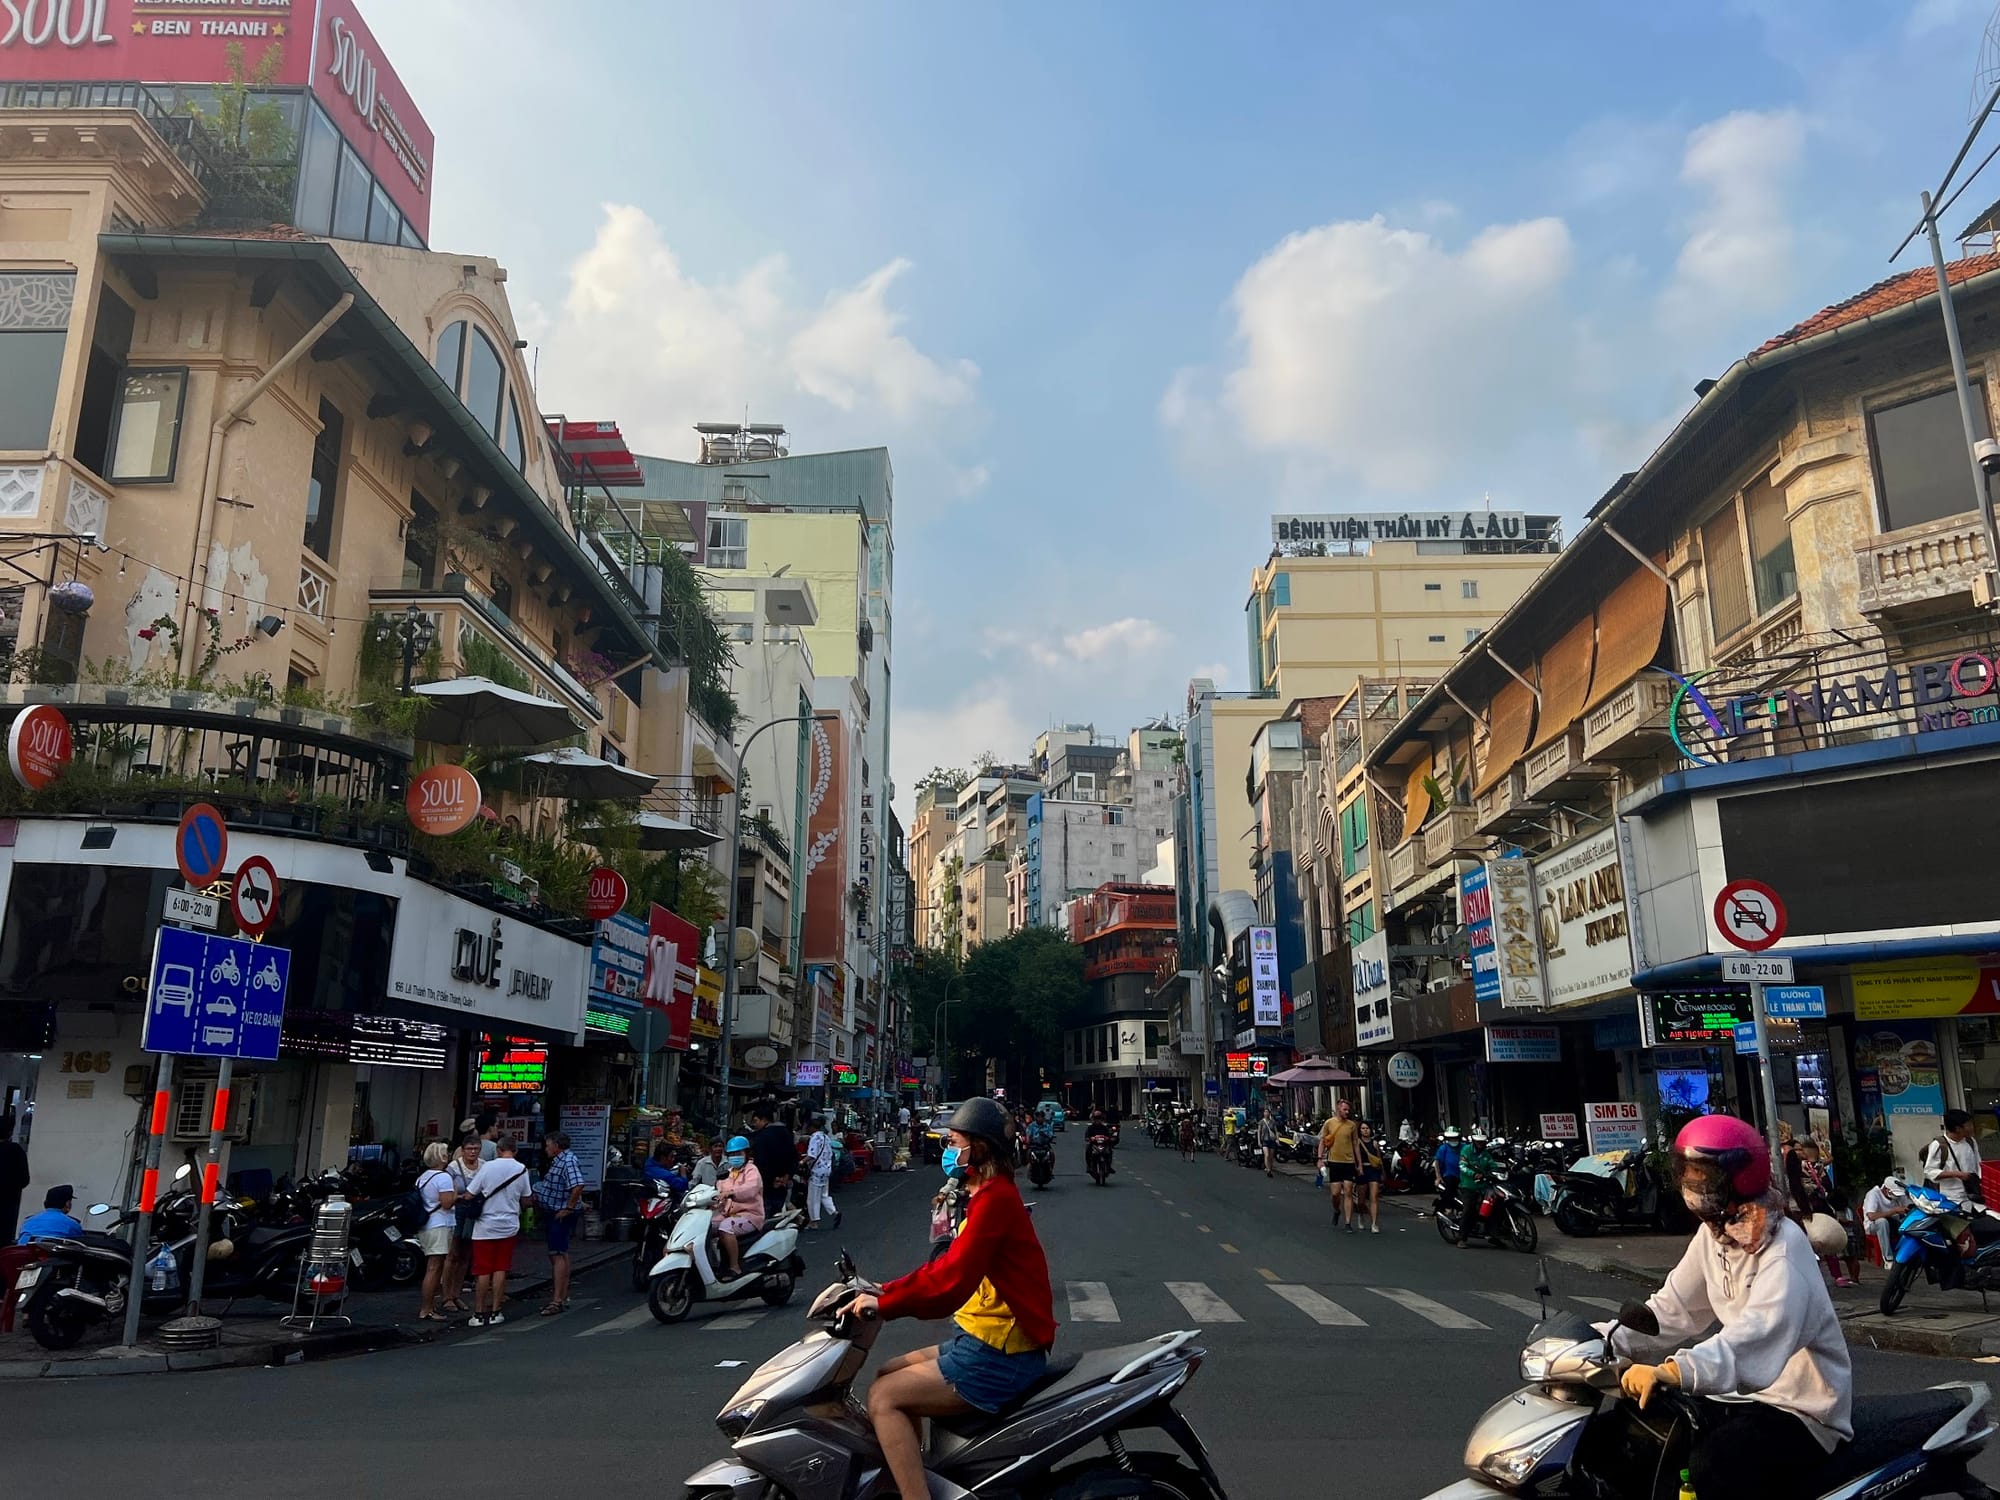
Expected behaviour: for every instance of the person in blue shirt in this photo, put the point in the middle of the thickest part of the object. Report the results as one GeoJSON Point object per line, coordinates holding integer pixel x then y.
{"type": "Point", "coordinates": [54, 1221]}
{"type": "Point", "coordinates": [1446, 1162]}
{"type": "Point", "coordinates": [660, 1168]}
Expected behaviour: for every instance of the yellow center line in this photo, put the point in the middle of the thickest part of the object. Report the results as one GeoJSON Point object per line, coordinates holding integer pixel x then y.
{"type": "Point", "coordinates": [1232, 1250]}
{"type": "Point", "coordinates": [1268, 1275]}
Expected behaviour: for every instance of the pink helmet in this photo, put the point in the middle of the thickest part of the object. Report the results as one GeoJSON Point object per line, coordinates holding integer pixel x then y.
{"type": "Point", "coordinates": [1720, 1161]}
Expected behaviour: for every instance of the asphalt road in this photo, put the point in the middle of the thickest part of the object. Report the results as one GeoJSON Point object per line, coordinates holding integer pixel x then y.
{"type": "Point", "coordinates": [1343, 1364]}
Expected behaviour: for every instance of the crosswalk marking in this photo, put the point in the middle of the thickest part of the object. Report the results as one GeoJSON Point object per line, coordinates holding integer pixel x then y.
{"type": "Point", "coordinates": [1202, 1304]}
{"type": "Point", "coordinates": [735, 1320]}
{"type": "Point", "coordinates": [1090, 1302]}
{"type": "Point", "coordinates": [1321, 1310]}
{"type": "Point", "coordinates": [1514, 1304]}
{"type": "Point", "coordinates": [1267, 1273]}
{"type": "Point", "coordinates": [625, 1322]}
{"type": "Point", "coordinates": [1423, 1307]}
{"type": "Point", "coordinates": [1232, 1250]}
{"type": "Point", "coordinates": [1602, 1304]}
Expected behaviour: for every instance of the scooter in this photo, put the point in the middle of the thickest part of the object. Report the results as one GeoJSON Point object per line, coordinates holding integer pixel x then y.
{"type": "Point", "coordinates": [1956, 1246]}
{"type": "Point", "coordinates": [798, 1433]}
{"type": "Point", "coordinates": [1097, 1157]}
{"type": "Point", "coordinates": [1498, 1217]}
{"type": "Point", "coordinates": [1611, 1188]}
{"type": "Point", "coordinates": [656, 1222]}
{"type": "Point", "coordinates": [688, 1274]}
{"type": "Point", "coordinates": [1041, 1162]}
{"type": "Point", "coordinates": [1568, 1435]}
{"type": "Point", "coordinates": [384, 1249]}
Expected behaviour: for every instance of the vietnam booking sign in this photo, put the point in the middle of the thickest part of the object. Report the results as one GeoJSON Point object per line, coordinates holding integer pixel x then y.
{"type": "Point", "coordinates": [1266, 1007]}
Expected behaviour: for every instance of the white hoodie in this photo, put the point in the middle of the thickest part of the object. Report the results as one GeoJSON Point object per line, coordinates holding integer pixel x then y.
{"type": "Point", "coordinates": [1780, 1341]}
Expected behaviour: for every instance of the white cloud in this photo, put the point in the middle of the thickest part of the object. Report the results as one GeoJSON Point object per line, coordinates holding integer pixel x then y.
{"type": "Point", "coordinates": [1927, 16]}
{"type": "Point", "coordinates": [1385, 356]}
{"type": "Point", "coordinates": [641, 339]}
{"type": "Point", "coordinates": [1129, 640]}
{"type": "Point", "coordinates": [984, 718]}
{"type": "Point", "coordinates": [1216, 672]}
{"type": "Point", "coordinates": [1739, 256]}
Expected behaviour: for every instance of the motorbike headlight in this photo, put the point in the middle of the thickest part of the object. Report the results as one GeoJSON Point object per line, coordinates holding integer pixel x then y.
{"type": "Point", "coordinates": [736, 1421]}
{"type": "Point", "coordinates": [1512, 1466]}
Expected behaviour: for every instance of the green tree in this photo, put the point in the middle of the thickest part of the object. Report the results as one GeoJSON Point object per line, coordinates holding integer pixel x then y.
{"type": "Point", "coordinates": [1020, 991]}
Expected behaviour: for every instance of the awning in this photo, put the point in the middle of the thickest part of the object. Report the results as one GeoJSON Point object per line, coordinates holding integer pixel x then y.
{"type": "Point", "coordinates": [1565, 679]}
{"type": "Point", "coordinates": [1416, 798]}
{"type": "Point", "coordinates": [656, 831]}
{"type": "Point", "coordinates": [1513, 723]}
{"type": "Point", "coordinates": [570, 772]}
{"type": "Point", "coordinates": [477, 711]}
{"type": "Point", "coordinates": [1629, 624]}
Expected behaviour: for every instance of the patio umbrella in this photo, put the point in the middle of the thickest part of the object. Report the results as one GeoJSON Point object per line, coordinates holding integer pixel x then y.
{"type": "Point", "coordinates": [658, 831]}
{"type": "Point", "coordinates": [569, 772]}
{"type": "Point", "coordinates": [479, 711]}
{"type": "Point", "coordinates": [1313, 1070]}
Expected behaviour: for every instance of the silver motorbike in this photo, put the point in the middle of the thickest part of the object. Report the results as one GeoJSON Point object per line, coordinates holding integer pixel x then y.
{"type": "Point", "coordinates": [798, 1432]}
{"type": "Point", "coordinates": [1568, 1434]}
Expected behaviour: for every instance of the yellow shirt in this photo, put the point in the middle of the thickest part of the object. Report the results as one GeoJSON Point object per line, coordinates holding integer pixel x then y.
{"type": "Point", "coordinates": [1336, 1140]}
{"type": "Point", "coordinates": [991, 1321]}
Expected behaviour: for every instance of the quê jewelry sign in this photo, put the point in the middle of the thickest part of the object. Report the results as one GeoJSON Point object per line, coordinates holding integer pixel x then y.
{"type": "Point", "coordinates": [459, 956]}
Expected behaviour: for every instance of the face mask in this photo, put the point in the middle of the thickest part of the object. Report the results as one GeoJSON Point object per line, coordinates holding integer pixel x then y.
{"type": "Point", "coordinates": [950, 1160]}
{"type": "Point", "coordinates": [736, 1160]}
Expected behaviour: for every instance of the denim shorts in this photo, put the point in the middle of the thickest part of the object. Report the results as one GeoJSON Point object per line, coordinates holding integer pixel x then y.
{"type": "Point", "coordinates": [557, 1227]}
{"type": "Point", "coordinates": [983, 1376]}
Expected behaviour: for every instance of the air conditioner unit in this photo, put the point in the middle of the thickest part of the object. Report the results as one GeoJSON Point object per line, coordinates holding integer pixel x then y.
{"type": "Point", "coordinates": [1438, 986]}
{"type": "Point", "coordinates": [194, 1104]}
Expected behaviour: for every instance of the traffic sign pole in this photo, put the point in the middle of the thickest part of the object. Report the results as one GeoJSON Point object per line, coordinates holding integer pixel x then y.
{"type": "Point", "coordinates": [211, 1169]}
{"type": "Point", "coordinates": [149, 1187]}
{"type": "Point", "coordinates": [1766, 1076]}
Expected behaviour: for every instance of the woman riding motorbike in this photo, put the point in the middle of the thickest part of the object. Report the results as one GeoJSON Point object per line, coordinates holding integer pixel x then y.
{"type": "Point", "coordinates": [993, 1282]}
{"type": "Point", "coordinates": [740, 1214]}
{"type": "Point", "coordinates": [1773, 1386]}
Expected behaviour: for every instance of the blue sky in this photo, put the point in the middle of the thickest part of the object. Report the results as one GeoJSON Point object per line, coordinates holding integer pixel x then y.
{"type": "Point", "coordinates": [1116, 281]}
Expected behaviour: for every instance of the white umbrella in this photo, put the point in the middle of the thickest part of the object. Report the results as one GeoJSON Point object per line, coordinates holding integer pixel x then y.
{"type": "Point", "coordinates": [657, 831]}
{"type": "Point", "coordinates": [479, 711]}
{"type": "Point", "coordinates": [569, 772]}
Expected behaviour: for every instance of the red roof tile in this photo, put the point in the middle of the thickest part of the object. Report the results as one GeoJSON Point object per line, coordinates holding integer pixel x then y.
{"type": "Point", "coordinates": [1895, 292]}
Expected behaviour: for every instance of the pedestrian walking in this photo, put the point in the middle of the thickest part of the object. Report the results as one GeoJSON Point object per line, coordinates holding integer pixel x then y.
{"type": "Point", "coordinates": [903, 1124]}
{"type": "Point", "coordinates": [463, 1165]}
{"type": "Point", "coordinates": [819, 1186]}
{"type": "Point", "coordinates": [775, 1150]}
{"type": "Point", "coordinates": [1267, 1141]}
{"type": "Point", "coordinates": [14, 1177]}
{"type": "Point", "coordinates": [1337, 1158]}
{"type": "Point", "coordinates": [438, 1193]}
{"type": "Point", "coordinates": [1368, 1176]}
{"type": "Point", "coordinates": [559, 1195]}
{"type": "Point", "coordinates": [494, 1198]}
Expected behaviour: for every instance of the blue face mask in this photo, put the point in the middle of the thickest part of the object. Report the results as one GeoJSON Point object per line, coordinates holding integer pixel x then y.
{"type": "Point", "coordinates": [950, 1160]}
{"type": "Point", "coordinates": [737, 1160]}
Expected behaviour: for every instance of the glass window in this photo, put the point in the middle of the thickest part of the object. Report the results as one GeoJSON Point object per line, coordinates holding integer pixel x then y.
{"type": "Point", "coordinates": [1772, 570]}
{"type": "Point", "coordinates": [1281, 589]}
{"type": "Point", "coordinates": [385, 223]}
{"type": "Point", "coordinates": [420, 539]}
{"type": "Point", "coordinates": [728, 541]}
{"type": "Point", "coordinates": [350, 200]}
{"type": "Point", "coordinates": [147, 435]}
{"type": "Point", "coordinates": [318, 167]}
{"type": "Point", "coordinates": [450, 355]}
{"type": "Point", "coordinates": [501, 592]}
{"type": "Point", "coordinates": [1728, 587]}
{"type": "Point", "coordinates": [1921, 470]}
{"type": "Point", "coordinates": [510, 435]}
{"type": "Point", "coordinates": [34, 329]}
{"type": "Point", "coordinates": [483, 380]}
{"type": "Point", "coordinates": [1468, 588]}
{"type": "Point", "coordinates": [321, 492]}
{"type": "Point", "coordinates": [410, 238]}
{"type": "Point", "coordinates": [110, 342]}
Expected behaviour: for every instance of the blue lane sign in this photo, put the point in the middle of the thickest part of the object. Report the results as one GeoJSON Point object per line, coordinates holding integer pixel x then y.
{"type": "Point", "coordinates": [215, 996]}
{"type": "Point", "coordinates": [1746, 1038]}
{"type": "Point", "coordinates": [1795, 1002]}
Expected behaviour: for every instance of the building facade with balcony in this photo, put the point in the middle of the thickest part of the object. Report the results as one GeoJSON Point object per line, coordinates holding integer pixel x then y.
{"type": "Point", "coordinates": [1122, 1042]}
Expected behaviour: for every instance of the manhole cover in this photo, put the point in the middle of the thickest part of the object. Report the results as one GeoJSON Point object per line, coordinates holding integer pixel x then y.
{"type": "Point", "coordinates": [190, 1333]}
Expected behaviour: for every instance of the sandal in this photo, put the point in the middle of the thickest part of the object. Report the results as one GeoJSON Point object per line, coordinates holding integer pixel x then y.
{"type": "Point", "coordinates": [551, 1309]}
{"type": "Point", "coordinates": [453, 1306]}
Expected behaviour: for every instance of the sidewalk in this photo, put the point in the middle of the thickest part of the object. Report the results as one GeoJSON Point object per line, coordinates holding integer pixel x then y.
{"type": "Point", "coordinates": [1945, 1324]}
{"type": "Point", "coordinates": [253, 1335]}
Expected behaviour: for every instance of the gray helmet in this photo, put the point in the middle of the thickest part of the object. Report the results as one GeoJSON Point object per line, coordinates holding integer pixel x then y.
{"type": "Point", "coordinates": [982, 1117]}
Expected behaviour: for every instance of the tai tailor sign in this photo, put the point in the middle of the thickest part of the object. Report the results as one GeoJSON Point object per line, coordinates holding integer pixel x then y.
{"type": "Point", "coordinates": [1406, 1070]}
{"type": "Point", "coordinates": [1475, 910]}
{"type": "Point", "coordinates": [1265, 1005]}
{"type": "Point", "coordinates": [1585, 951]}
{"type": "Point", "coordinates": [1373, 1024]}
{"type": "Point", "coordinates": [1517, 939]}
{"type": "Point", "coordinates": [1400, 526]}
{"type": "Point", "coordinates": [456, 955]}
{"type": "Point", "coordinates": [1523, 1044]}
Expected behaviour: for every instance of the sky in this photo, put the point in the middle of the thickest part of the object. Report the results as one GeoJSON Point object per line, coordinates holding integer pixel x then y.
{"type": "Point", "coordinates": [1116, 282]}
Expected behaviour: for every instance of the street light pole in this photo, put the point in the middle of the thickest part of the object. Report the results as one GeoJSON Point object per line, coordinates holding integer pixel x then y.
{"type": "Point", "coordinates": [415, 633]}
{"type": "Point", "coordinates": [729, 935]}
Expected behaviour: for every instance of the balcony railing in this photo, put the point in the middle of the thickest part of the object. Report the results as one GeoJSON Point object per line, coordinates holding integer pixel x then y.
{"type": "Point", "coordinates": [1560, 767]}
{"type": "Point", "coordinates": [1632, 722]}
{"type": "Point", "coordinates": [1447, 835]}
{"type": "Point", "coordinates": [687, 799]}
{"type": "Point", "coordinates": [1921, 564]}
{"type": "Point", "coordinates": [1406, 864]}
{"type": "Point", "coordinates": [1501, 806]}
{"type": "Point", "coordinates": [472, 635]}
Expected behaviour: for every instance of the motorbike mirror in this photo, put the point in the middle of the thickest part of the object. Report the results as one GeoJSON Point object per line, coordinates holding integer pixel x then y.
{"type": "Point", "coordinates": [99, 1210]}
{"type": "Point", "coordinates": [845, 1266]}
{"type": "Point", "coordinates": [1542, 1288]}
{"type": "Point", "coordinates": [185, 1171]}
{"type": "Point", "coordinates": [1639, 1318]}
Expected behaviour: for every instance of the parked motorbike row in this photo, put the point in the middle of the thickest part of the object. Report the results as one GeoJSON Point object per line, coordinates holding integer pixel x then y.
{"type": "Point", "coordinates": [254, 1249]}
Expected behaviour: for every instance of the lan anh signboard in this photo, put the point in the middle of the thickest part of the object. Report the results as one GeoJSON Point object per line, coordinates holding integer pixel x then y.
{"type": "Point", "coordinates": [1585, 951]}
{"type": "Point", "coordinates": [1894, 992]}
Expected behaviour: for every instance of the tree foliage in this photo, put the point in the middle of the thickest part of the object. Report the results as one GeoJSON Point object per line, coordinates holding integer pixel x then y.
{"type": "Point", "coordinates": [1020, 991]}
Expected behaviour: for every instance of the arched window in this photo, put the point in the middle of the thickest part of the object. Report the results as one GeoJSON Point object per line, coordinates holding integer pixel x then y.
{"type": "Point", "coordinates": [484, 379]}
{"type": "Point", "coordinates": [451, 355]}
{"type": "Point", "coordinates": [510, 435]}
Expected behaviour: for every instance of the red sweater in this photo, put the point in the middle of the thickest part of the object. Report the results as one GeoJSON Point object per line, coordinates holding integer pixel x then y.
{"type": "Point", "coordinates": [997, 1244]}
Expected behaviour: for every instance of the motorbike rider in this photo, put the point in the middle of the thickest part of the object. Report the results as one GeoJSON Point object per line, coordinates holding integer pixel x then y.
{"type": "Point", "coordinates": [740, 1213]}
{"type": "Point", "coordinates": [1446, 1161]}
{"type": "Point", "coordinates": [993, 1282]}
{"type": "Point", "coordinates": [662, 1168]}
{"type": "Point", "coordinates": [1099, 1129]}
{"type": "Point", "coordinates": [1774, 1384]}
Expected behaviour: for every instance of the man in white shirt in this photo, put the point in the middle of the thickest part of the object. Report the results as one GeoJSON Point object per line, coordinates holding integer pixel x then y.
{"type": "Point", "coordinates": [1952, 1160]}
{"type": "Point", "coordinates": [502, 1183]}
